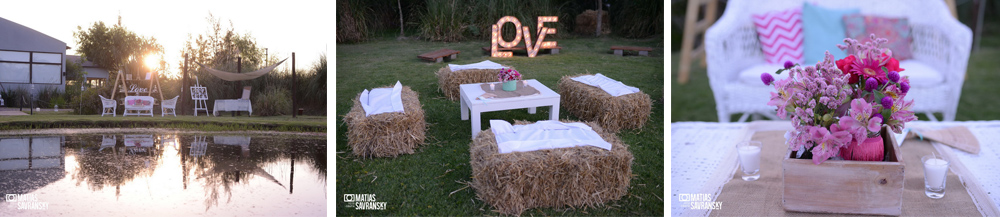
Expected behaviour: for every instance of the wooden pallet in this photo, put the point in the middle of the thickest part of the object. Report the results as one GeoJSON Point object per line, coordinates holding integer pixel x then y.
{"type": "Point", "coordinates": [438, 55]}
{"type": "Point", "coordinates": [619, 50]}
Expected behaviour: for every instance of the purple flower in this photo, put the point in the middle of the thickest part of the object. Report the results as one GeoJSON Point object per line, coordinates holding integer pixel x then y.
{"type": "Point", "coordinates": [766, 78]}
{"type": "Point", "coordinates": [870, 84]}
{"type": "Point", "coordinates": [887, 102]}
{"type": "Point", "coordinates": [905, 87]}
{"type": "Point", "coordinates": [789, 64]}
{"type": "Point", "coordinates": [879, 116]}
{"type": "Point", "coordinates": [893, 76]}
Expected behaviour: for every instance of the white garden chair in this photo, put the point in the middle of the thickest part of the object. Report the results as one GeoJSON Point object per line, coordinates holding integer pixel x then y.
{"type": "Point", "coordinates": [169, 107]}
{"type": "Point", "coordinates": [940, 43]}
{"type": "Point", "coordinates": [109, 106]}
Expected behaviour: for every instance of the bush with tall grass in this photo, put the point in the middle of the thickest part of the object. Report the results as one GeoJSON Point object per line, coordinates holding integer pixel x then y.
{"type": "Point", "coordinates": [637, 18]}
{"type": "Point", "coordinates": [456, 20]}
{"type": "Point", "coordinates": [272, 102]}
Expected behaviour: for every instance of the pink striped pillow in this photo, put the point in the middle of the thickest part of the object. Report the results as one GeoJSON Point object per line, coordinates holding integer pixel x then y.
{"type": "Point", "coordinates": [780, 35]}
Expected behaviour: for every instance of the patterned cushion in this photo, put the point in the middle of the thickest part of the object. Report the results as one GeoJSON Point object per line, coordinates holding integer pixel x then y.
{"type": "Point", "coordinates": [780, 35]}
{"type": "Point", "coordinates": [897, 30]}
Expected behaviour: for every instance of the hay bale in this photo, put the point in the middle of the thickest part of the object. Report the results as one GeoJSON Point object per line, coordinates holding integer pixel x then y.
{"type": "Point", "coordinates": [590, 103]}
{"type": "Point", "coordinates": [448, 80]}
{"type": "Point", "coordinates": [576, 177]}
{"type": "Point", "coordinates": [586, 22]}
{"type": "Point", "coordinates": [386, 134]}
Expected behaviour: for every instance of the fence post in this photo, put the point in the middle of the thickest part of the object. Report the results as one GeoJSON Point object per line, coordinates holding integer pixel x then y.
{"type": "Point", "coordinates": [294, 84]}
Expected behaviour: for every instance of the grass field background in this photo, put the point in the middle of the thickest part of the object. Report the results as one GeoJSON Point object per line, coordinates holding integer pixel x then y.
{"type": "Point", "coordinates": [433, 180]}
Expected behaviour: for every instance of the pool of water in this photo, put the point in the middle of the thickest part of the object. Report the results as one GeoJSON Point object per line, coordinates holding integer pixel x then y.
{"type": "Point", "coordinates": [175, 174]}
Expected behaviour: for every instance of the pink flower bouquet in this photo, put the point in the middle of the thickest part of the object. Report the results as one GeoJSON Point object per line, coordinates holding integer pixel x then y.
{"type": "Point", "coordinates": [839, 107]}
{"type": "Point", "coordinates": [508, 75]}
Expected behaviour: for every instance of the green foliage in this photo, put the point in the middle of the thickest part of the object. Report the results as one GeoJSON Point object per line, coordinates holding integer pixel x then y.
{"type": "Point", "coordinates": [637, 19]}
{"type": "Point", "coordinates": [455, 20]}
{"type": "Point", "coordinates": [88, 102]}
{"type": "Point", "coordinates": [273, 102]}
{"type": "Point", "coordinates": [16, 97]}
{"type": "Point", "coordinates": [115, 47]}
{"type": "Point", "coordinates": [46, 96]}
{"type": "Point", "coordinates": [227, 50]}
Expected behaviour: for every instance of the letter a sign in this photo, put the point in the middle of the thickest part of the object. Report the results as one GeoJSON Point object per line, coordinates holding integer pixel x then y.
{"type": "Point", "coordinates": [497, 39]}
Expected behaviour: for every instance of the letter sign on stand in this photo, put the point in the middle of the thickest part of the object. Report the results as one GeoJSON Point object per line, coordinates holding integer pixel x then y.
{"type": "Point", "coordinates": [497, 37]}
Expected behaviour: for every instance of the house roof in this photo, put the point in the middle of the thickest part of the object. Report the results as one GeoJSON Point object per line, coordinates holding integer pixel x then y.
{"type": "Point", "coordinates": [76, 59]}
{"type": "Point", "coordinates": [14, 36]}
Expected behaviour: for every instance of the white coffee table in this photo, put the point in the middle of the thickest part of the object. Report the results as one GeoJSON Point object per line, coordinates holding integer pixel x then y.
{"type": "Point", "coordinates": [469, 92]}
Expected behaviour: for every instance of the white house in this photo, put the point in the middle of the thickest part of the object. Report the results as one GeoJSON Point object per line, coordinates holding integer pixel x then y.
{"type": "Point", "coordinates": [96, 75]}
{"type": "Point", "coordinates": [30, 58]}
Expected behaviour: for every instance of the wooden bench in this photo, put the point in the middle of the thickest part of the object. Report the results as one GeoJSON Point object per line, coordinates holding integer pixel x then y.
{"type": "Point", "coordinates": [644, 51]}
{"type": "Point", "coordinates": [438, 55]}
{"type": "Point", "coordinates": [554, 50]}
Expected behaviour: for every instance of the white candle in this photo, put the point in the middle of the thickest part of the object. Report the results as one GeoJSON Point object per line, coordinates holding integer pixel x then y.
{"type": "Point", "coordinates": [935, 170]}
{"type": "Point", "coordinates": [491, 86]}
{"type": "Point", "coordinates": [525, 82]}
{"type": "Point", "coordinates": [749, 158]}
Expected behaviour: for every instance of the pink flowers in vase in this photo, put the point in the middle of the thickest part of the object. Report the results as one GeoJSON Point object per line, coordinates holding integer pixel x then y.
{"type": "Point", "coordinates": [836, 105]}
{"type": "Point", "coordinates": [508, 75]}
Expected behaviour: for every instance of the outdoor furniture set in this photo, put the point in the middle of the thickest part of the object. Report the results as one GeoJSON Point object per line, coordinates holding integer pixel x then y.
{"type": "Point", "coordinates": [137, 106]}
{"type": "Point", "coordinates": [932, 46]}
{"type": "Point", "coordinates": [389, 121]}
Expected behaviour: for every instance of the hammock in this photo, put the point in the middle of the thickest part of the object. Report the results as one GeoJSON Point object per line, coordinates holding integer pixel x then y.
{"type": "Point", "coordinates": [229, 76]}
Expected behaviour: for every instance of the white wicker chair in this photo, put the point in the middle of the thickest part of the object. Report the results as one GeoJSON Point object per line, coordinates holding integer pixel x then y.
{"type": "Point", "coordinates": [940, 42]}
{"type": "Point", "coordinates": [169, 107]}
{"type": "Point", "coordinates": [108, 106]}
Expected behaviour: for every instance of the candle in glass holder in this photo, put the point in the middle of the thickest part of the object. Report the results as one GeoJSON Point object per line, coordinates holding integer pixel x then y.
{"type": "Point", "coordinates": [525, 82]}
{"type": "Point", "coordinates": [491, 86]}
{"type": "Point", "coordinates": [935, 176]}
{"type": "Point", "coordinates": [749, 154]}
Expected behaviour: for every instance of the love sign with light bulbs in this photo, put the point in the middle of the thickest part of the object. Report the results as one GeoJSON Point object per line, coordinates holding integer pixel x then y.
{"type": "Point", "coordinates": [498, 41]}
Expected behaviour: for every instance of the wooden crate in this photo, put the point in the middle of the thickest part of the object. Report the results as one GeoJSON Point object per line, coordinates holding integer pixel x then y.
{"type": "Point", "coordinates": [837, 186]}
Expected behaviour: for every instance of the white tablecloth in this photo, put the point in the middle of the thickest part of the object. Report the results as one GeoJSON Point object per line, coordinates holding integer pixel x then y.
{"type": "Point", "coordinates": [701, 152]}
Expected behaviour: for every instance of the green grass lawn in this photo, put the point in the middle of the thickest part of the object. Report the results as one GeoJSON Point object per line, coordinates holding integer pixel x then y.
{"type": "Point", "coordinates": [694, 101]}
{"type": "Point", "coordinates": [204, 123]}
{"type": "Point", "coordinates": [422, 183]}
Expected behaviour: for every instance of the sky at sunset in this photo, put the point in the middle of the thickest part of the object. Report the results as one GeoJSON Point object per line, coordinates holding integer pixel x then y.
{"type": "Point", "coordinates": [283, 27]}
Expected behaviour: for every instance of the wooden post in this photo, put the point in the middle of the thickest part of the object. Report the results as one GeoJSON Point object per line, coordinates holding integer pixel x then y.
{"type": "Point", "coordinates": [599, 20]}
{"type": "Point", "coordinates": [294, 110]}
{"type": "Point", "coordinates": [692, 28]}
{"type": "Point", "coordinates": [239, 86]}
{"type": "Point", "coordinates": [184, 87]}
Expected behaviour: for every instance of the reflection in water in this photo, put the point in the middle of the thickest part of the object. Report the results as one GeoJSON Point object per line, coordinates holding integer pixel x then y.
{"type": "Point", "coordinates": [226, 174]}
{"type": "Point", "coordinates": [114, 165]}
{"type": "Point", "coordinates": [29, 163]}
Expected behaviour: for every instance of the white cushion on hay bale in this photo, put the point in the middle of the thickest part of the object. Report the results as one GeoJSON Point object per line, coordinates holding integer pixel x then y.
{"type": "Point", "coordinates": [608, 102]}
{"type": "Point", "coordinates": [386, 122]}
{"type": "Point", "coordinates": [585, 175]}
{"type": "Point", "coordinates": [451, 76]}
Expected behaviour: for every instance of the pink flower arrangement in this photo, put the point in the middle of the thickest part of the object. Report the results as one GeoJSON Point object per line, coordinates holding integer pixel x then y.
{"type": "Point", "coordinates": [839, 103]}
{"type": "Point", "coordinates": [508, 75]}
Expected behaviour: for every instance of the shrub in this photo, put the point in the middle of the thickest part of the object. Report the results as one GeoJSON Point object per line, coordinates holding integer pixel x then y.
{"type": "Point", "coordinates": [272, 102]}
{"type": "Point", "coordinates": [91, 103]}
